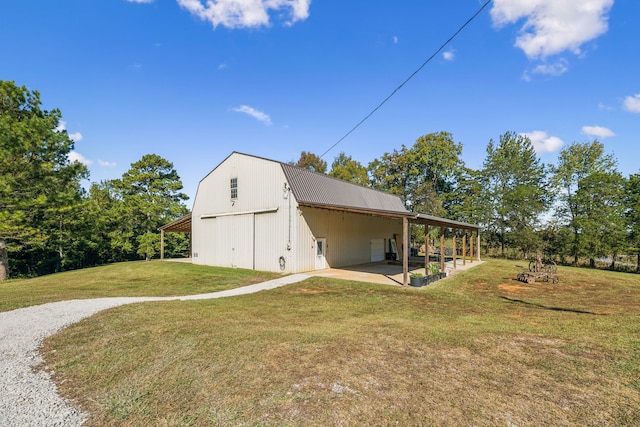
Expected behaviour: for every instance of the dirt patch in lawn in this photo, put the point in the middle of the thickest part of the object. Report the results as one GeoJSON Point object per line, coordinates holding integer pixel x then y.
{"type": "Point", "coordinates": [514, 288]}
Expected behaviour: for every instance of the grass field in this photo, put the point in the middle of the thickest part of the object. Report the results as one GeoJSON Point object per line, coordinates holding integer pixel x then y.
{"type": "Point", "coordinates": [476, 349]}
{"type": "Point", "coordinates": [126, 279]}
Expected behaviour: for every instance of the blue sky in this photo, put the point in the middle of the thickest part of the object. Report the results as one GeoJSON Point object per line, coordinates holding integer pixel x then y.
{"type": "Point", "coordinates": [194, 80]}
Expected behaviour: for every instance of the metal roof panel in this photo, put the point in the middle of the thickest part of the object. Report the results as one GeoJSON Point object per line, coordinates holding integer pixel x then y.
{"type": "Point", "coordinates": [323, 190]}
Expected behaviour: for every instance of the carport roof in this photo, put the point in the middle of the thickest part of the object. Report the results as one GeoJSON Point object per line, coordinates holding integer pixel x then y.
{"type": "Point", "coordinates": [180, 225]}
{"type": "Point", "coordinates": [318, 190]}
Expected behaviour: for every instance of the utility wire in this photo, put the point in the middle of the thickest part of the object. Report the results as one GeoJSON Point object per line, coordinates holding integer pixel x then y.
{"type": "Point", "coordinates": [408, 78]}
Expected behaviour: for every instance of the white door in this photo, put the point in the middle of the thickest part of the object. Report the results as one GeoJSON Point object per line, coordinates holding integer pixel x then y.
{"type": "Point", "coordinates": [321, 251]}
{"type": "Point", "coordinates": [377, 250]}
{"type": "Point", "coordinates": [242, 241]}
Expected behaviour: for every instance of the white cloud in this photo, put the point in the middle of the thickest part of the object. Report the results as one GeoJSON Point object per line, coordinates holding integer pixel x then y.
{"type": "Point", "coordinates": [256, 114]}
{"type": "Point", "coordinates": [74, 156]}
{"type": "Point", "coordinates": [555, 69]}
{"type": "Point", "coordinates": [543, 143]}
{"type": "Point", "coordinates": [107, 164]}
{"type": "Point", "coordinates": [449, 55]}
{"type": "Point", "coordinates": [598, 131]}
{"type": "Point", "coordinates": [140, 1]}
{"type": "Point", "coordinates": [553, 26]}
{"type": "Point", "coordinates": [395, 39]}
{"type": "Point", "coordinates": [604, 107]}
{"type": "Point", "coordinates": [246, 13]}
{"type": "Point", "coordinates": [62, 126]}
{"type": "Point", "coordinates": [632, 103]}
{"type": "Point", "coordinates": [76, 136]}
{"type": "Point", "coordinates": [222, 66]}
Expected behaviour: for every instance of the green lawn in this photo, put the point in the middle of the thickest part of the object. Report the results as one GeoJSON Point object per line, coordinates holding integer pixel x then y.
{"type": "Point", "coordinates": [476, 349]}
{"type": "Point", "coordinates": [125, 279]}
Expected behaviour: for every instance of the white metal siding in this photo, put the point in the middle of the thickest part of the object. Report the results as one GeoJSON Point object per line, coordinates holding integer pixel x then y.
{"type": "Point", "coordinates": [232, 234]}
{"type": "Point", "coordinates": [348, 236]}
{"type": "Point", "coordinates": [271, 233]}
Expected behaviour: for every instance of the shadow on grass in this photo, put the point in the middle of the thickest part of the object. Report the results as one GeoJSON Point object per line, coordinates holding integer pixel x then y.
{"type": "Point", "coordinates": [568, 310]}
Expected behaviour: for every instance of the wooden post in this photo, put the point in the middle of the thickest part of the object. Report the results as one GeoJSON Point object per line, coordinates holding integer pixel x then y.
{"type": "Point", "coordinates": [426, 249]}
{"type": "Point", "coordinates": [441, 248]}
{"type": "Point", "coordinates": [478, 244]}
{"type": "Point", "coordinates": [455, 248]}
{"type": "Point", "coordinates": [464, 247]}
{"type": "Point", "coordinates": [161, 244]}
{"type": "Point", "coordinates": [405, 251]}
{"type": "Point", "coordinates": [471, 247]}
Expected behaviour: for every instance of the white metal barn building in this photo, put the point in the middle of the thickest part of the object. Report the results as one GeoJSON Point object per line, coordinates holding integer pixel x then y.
{"type": "Point", "coordinates": [255, 213]}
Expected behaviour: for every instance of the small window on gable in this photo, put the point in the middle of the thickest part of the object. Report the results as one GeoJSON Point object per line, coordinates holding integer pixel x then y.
{"type": "Point", "coordinates": [234, 188]}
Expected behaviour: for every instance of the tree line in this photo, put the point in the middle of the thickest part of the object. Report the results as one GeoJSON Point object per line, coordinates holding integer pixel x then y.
{"type": "Point", "coordinates": [49, 222]}
{"type": "Point", "coordinates": [581, 209]}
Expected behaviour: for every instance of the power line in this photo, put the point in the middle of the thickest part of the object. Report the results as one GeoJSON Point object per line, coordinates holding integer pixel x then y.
{"type": "Point", "coordinates": [408, 78]}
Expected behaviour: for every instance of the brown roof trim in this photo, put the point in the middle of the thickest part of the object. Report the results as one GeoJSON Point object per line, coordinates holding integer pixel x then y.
{"type": "Point", "coordinates": [442, 222]}
{"type": "Point", "coordinates": [412, 217]}
{"type": "Point", "coordinates": [372, 212]}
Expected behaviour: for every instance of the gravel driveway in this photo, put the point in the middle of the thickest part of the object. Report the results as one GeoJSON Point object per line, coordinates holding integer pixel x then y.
{"type": "Point", "coordinates": [29, 397]}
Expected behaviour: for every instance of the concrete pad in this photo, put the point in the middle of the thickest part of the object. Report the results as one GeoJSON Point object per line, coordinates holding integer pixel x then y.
{"type": "Point", "coordinates": [383, 272]}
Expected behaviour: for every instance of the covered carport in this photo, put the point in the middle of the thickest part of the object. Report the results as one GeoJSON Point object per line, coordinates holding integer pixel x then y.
{"type": "Point", "coordinates": [468, 234]}
{"type": "Point", "coordinates": [180, 225]}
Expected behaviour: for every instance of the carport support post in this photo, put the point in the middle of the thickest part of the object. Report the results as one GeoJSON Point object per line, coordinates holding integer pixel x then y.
{"type": "Point", "coordinates": [441, 248]}
{"type": "Point", "coordinates": [405, 251]}
{"type": "Point", "coordinates": [426, 249]}
{"type": "Point", "coordinates": [471, 247]}
{"type": "Point", "coordinates": [455, 248]}
{"type": "Point", "coordinates": [464, 247]}
{"type": "Point", "coordinates": [161, 244]}
{"type": "Point", "coordinates": [478, 244]}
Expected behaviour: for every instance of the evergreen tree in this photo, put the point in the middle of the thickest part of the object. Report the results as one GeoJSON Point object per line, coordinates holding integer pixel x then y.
{"type": "Point", "coordinates": [148, 196]}
{"type": "Point", "coordinates": [39, 186]}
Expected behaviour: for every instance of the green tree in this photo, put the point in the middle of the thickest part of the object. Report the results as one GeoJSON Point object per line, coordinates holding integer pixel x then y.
{"type": "Point", "coordinates": [149, 196]}
{"type": "Point", "coordinates": [600, 196]}
{"type": "Point", "coordinates": [347, 169]}
{"type": "Point", "coordinates": [632, 205]}
{"type": "Point", "coordinates": [467, 204]}
{"type": "Point", "coordinates": [435, 159]}
{"type": "Point", "coordinates": [575, 163]}
{"type": "Point", "coordinates": [423, 176]}
{"type": "Point", "coordinates": [311, 161]}
{"type": "Point", "coordinates": [39, 186]}
{"type": "Point", "coordinates": [392, 173]}
{"type": "Point", "coordinates": [99, 209]}
{"type": "Point", "coordinates": [514, 186]}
